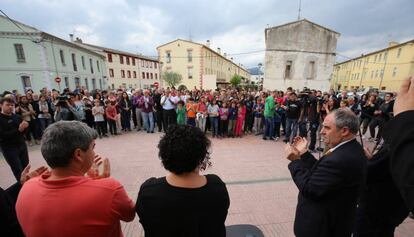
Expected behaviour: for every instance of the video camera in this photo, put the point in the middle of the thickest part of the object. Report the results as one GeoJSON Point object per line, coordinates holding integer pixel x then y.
{"type": "Point", "coordinates": [62, 100]}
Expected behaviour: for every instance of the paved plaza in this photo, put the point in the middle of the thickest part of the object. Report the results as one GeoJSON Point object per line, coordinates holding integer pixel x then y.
{"type": "Point", "coordinates": [261, 190]}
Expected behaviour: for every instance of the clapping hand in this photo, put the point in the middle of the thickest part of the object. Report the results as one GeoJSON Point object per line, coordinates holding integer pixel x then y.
{"type": "Point", "coordinates": [94, 173]}
{"type": "Point", "coordinates": [405, 98]}
{"type": "Point", "coordinates": [23, 125]}
{"type": "Point", "coordinates": [300, 144]}
{"type": "Point", "coordinates": [368, 153]}
{"type": "Point", "coordinates": [26, 174]}
{"type": "Point", "coordinates": [291, 153]}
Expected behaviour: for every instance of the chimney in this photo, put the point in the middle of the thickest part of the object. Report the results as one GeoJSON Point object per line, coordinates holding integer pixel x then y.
{"type": "Point", "coordinates": [208, 43]}
{"type": "Point", "coordinates": [225, 55]}
{"type": "Point", "coordinates": [78, 40]}
{"type": "Point", "coordinates": [392, 43]}
{"type": "Point", "coordinates": [231, 58]}
{"type": "Point", "coordinates": [218, 50]}
{"type": "Point", "coordinates": [71, 37]}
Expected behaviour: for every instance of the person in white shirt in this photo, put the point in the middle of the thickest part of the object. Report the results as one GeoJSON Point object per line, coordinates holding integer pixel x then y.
{"type": "Point", "coordinates": [169, 102]}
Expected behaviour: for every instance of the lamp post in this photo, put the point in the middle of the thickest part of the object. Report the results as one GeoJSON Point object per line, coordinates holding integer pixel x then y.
{"type": "Point", "coordinates": [260, 76]}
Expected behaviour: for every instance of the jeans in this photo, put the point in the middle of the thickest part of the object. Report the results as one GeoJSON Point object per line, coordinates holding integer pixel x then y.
{"type": "Point", "coordinates": [17, 157]}
{"type": "Point", "coordinates": [224, 124]}
{"type": "Point", "coordinates": [232, 125]}
{"type": "Point", "coordinates": [138, 113]}
{"type": "Point", "coordinates": [257, 125]}
{"type": "Point", "coordinates": [170, 117]}
{"type": "Point", "coordinates": [214, 125]}
{"type": "Point", "coordinates": [158, 117]}
{"type": "Point", "coordinates": [191, 122]}
{"type": "Point", "coordinates": [201, 123]}
{"type": "Point", "coordinates": [376, 123]}
{"type": "Point", "coordinates": [100, 127]}
{"type": "Point", "coordinates": [148, 119]}
{"type": "Point", "coordinates": [112, 126]}
{"type": "Point", "coordinates": [291, 128]}
{"type": "Point", "coordinates": [268, 127]}
{"type": "Point", "coordinates": [303, 128]}
{"type": "Point", "coordinates": [126, 119]}
{"type": "Point", "coordinates": [44, 123]}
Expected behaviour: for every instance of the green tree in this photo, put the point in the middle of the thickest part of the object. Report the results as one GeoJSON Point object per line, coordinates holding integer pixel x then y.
{"type": "Point", "coordinates": [182, 87]}
{"type": "Point", "coordinates": [172, 78]}
{"type": "Point", "coordinates": [235, 80]}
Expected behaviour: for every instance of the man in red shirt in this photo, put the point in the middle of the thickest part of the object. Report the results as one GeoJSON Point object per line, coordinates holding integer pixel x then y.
{"type": "Point", "coordinates": [65, 202]}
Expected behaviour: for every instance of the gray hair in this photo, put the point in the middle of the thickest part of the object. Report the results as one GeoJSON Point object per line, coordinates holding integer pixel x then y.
{"type": "Point", "coordinates": [62, 138]}
{"type": "Point", "coordinates": [346, 118]}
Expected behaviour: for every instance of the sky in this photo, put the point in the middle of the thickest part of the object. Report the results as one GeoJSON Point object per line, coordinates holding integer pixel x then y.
{"type": "Point", "coordinates": [237, 26]}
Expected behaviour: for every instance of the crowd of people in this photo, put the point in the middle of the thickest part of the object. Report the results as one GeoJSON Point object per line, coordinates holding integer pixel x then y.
{"type": "Point", "coordinates": [225, 112]}
{"type": "Point", "coordinates": [185, 202]}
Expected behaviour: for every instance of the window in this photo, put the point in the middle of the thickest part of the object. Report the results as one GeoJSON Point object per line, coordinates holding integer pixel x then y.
{"type": "Point", "coordinates": [62, 57]}
{"type": "Point", "coordinates": [376, 73]}
{"type": "Point", "coordinates": [19, 53]}
{"type": "Point", "coordinates": [86, 83]}
{"type": "Point", "coordinates": [110, 57]}
{"type": "Point", "coordinates": [375, 58]}
{"type": "Point", "coordinates": [394, 72]}
{"type": "Point", "coordinates": [190, 55]}
{"type": "Point", "coordinates": [147, 75]}
{"type": "Point", "coordinates": [399, 53]}
{"type": "Point", "coordinates": [127, 60]}
{"type": "Point", "coordinates": [382, 73]}
{"type": "Point", "coordinates": [27, 84]}
{"type": "Point", "coordinates": [380, 57]}
{"type": "Point", "coordinates": [142, 63]}
{"type": "Point", "coordinates": [385, 55]}
{"type": "Point", "coordinates": [152, 76]}
{"type": "Point", "coordinates": [143, 75]}
{"type": "Point", "coordinates": [311, 72]}
{"type": "Point", "coordinates": [129, 73]}
{"type": "Point", "coordinates": [168, 57]}
{"type": "Point", "coordinates": [288, 69]}
{"type": "Point", "coordinates": [83, 63]}
{"type": "Point", "coordinates": [100, 84]}
{"type": "Point", "coordinates": [155, 65]}
{"type": "Point", "coordinates": [372, 74]}
{"type": "Point", "coordinates": [122, 73]}
{"type": "Point", "coordinates": [147, 64]}
{"type": "Point", "coordinates": [190, 73]}
{"type": "Point", "coordinates": [97, 65]}
{"type": "Point", "coordinates": [90, 63]}
{"type": "Point", "coordinates": [111, 72]}
{"type": "Point", "coordinates": [121, 59]}
{"type": "Point", "coordinates": [75, 68]}
{"type": "Point", "coordinates": [156, 76]}
{"type": "Point", "coordinates": [77, 82]}
{"type": "Point", "coordinates": [66, 82]}
{"type": "Point", "coordinates": [133, 61]}
{"type": "Point", "coordinates": [135, 74]}
{"type": "Point", "coordinates": [93, 84]}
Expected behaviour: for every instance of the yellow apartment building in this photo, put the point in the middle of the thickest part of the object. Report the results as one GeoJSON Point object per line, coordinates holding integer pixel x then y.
{"type": "Point", "coordinates": [199, 65]}
{"type": "Point", "coordinates": [384, 69]}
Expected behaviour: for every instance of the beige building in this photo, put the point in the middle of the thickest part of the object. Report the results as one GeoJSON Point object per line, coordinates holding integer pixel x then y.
{"type": "Point", "coordinates": [299, 54]}
{"type": "Point", "coordinates": [127, 70]}
{"type": "Point", "coordinates": [199, 65]}
{"type": "Point", "coordinates": [384, 69]}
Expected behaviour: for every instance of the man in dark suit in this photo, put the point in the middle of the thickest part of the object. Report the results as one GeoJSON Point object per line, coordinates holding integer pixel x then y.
{"type": "Point", "coordinates": [400, 133]}
{"type": "Point", "coordinates": [329, 187]}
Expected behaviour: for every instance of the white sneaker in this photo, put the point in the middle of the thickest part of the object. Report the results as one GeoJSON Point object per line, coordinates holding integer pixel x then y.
{"type": "Point", "coordinates": [277, 139]}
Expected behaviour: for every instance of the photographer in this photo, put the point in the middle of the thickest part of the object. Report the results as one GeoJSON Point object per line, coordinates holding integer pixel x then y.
{"type": "Point", "coordinates": [65, 108]}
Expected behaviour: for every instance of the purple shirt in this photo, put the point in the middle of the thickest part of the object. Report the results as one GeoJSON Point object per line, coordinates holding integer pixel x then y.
{"type": "Point", "coordinates": [146, 104]}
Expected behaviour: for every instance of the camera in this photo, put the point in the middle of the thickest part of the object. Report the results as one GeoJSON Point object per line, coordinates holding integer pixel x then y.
{"type": "Point", "coordinates": [61, 100]}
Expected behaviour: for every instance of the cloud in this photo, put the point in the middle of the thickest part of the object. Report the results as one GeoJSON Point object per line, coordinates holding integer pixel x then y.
{"type": "Point", "coordinates": [235, 27]}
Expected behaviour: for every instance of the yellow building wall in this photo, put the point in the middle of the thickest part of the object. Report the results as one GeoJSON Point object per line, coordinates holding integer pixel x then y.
{"type": "Point", "coordinates": [385, 69]}
{"type": "Point", "coordinates": [204, 62]}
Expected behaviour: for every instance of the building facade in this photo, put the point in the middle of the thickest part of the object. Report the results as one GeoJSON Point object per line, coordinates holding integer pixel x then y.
{"type": "Point", "coordinates": [127, 70]}
{"type": "Point", "coordinates": [384, 69]}
{"type": "Point", "coordinates": [32, 59]}
{"type": "Point", "coordinates": [198, 64]}
{"type": "Point", "coordinates": [299, 54]}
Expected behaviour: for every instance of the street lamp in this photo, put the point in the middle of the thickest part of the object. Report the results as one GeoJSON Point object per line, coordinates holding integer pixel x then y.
{"type": "Point", "coordinates": [260, 76]}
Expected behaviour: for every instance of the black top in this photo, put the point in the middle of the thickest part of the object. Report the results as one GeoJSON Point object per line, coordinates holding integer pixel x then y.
{"type": "Point", "coordinates": [9, 130]}
{"type": "Point", "coordinates": [165, 210]}
{"type": "Point", "coordinates": [157, 102]}
{"type": "Point", "coordinates": [293, 110]}
{"type": "Point", "coordinates": [399, 133]}
{"type": "Point", "coordinates": [9, 225]}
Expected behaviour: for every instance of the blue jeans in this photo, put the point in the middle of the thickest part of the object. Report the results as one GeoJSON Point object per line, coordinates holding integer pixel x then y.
{"type": "Point", "coordinates": [291, 128]}
{"type": "Point", "coordinates": [269, 127]}
{"type": "Point", "coordinates": [148, 119]}
{"type": "Point", "coordinates": [214, 125]}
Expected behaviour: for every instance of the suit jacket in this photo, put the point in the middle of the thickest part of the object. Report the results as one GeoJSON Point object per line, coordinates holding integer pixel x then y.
{"type": "Point", "coordinates": [399, 132]}
{"type": "Point", "coordinates": [328, 191]}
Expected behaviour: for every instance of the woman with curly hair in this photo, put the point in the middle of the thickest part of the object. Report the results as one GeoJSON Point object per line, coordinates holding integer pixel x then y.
{"type": "Point", "coordinates": [183, 203]}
